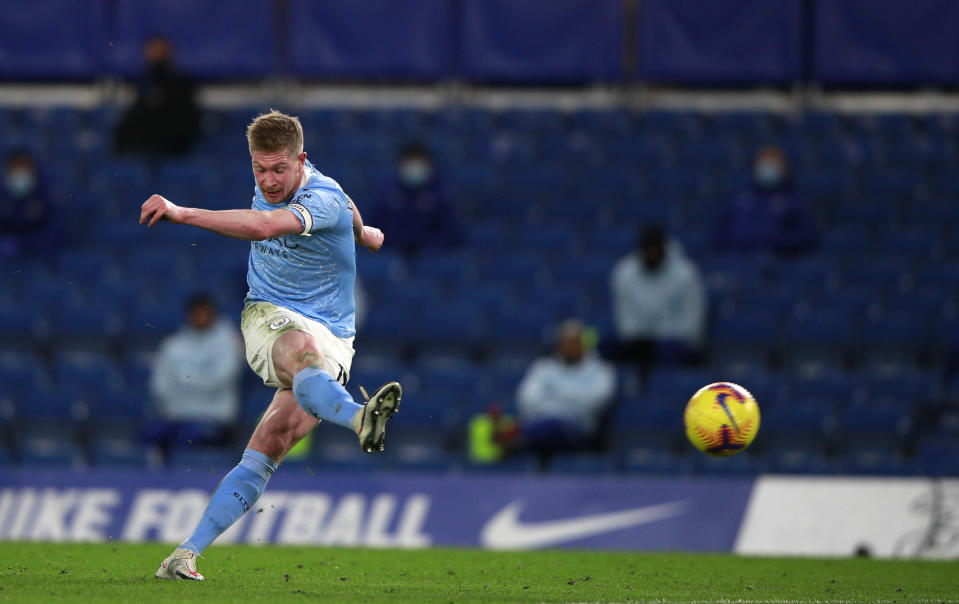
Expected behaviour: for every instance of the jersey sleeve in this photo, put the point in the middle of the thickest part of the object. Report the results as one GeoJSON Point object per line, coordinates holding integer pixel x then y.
{"type": "Point", "coordinates": [316, 210]}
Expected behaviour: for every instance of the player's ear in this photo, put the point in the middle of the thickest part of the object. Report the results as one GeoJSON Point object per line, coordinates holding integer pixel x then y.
{"type": "Point", "coordinates": [301, 158]}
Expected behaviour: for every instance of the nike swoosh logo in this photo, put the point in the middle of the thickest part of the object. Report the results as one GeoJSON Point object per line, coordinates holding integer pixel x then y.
{"type": "Point", "coordinates": [505, 530]}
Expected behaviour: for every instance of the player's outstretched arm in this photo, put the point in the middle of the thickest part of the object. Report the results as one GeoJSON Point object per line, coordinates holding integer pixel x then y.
{"type": "Point", "coordinates": [369, 237]}
{"type": "Point", "coordinates": [252, 225]}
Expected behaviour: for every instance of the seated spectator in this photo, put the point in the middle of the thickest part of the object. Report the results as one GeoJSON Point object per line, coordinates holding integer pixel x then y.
{"type": "Point", "coordinates": [770, 215]}
{"type": "Point", "coordinates": [414, 209]}
{"type": "Point", "coordinates": [196, 381]}
{"type": "Point", "coordinates": [659, 304]}
{"type": "Point", "coordinates": [164, 118]}
{"type": "Point", "coordinates": [561, 401]}
{"type": "Point", "coordinates": [26, 209]}
{"type": "Point", "coordinates": [490, 435]}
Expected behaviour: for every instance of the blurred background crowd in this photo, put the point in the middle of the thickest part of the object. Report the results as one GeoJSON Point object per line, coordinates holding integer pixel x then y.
{"type": "Point", "coordinates": [565, 264]}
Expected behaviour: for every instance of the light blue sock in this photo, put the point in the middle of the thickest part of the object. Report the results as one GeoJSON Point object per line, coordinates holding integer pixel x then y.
{"type": "Point", "coordinates": [235, 495]}
{"type": "Point", "coordinates": [323, 397]}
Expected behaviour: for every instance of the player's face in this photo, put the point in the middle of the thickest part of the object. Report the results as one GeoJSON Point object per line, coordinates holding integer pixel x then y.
{"type": "Point", "coordinates": [278, 173]}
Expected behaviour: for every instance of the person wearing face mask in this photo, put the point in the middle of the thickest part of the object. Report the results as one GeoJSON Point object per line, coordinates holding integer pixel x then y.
{"type": "Point", "coordinates": [414, 207]}
{"type": "Point", "coordinates": [561, 399]}
{"type": "Point", "coordinates": [659, 304]}
{"type": "Point", "coordinates": [769, 215]}
{"type": "Point", "coordinates": [26, 210]}
{"type": "Point", "coordinates": [164, 118]}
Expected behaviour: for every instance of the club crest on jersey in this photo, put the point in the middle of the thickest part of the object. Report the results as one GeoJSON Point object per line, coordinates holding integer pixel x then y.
{"type": "Point", "coordinates": [278, 323]}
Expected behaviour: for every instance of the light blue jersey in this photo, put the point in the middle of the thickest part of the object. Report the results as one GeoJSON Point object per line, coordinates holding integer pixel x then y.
{"type": "Point", "coordinates": [311, 273]}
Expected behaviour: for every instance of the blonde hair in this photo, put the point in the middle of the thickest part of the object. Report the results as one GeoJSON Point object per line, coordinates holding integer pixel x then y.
{"type": "Point", "coordinates": [275, 131]}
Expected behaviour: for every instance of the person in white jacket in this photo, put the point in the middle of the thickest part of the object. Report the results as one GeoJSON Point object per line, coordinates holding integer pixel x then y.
{"type": "Point", "coordinates": [562, 398]}
{"type": "Point", "coordinates": [196, 379]}
{"type": "Point", "coordinates": [659, 303]}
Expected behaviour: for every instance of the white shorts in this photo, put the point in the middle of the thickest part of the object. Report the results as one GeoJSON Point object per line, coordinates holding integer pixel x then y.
{"type": "Point", "coordinates": [262, 323]}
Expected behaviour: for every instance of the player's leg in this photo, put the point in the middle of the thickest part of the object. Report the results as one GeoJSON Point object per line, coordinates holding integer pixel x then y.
{"type": "Point", "coordinates": [299, 362]}
{"type": "Point", "coordinates": [283, 425]}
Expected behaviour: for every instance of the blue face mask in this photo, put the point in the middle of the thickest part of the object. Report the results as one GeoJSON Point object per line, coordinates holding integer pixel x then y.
{"type": "Point", "coordinates": [769, 174]}
{"type": "Point", "coordinates": [20, 183]}
{"type": "Point", "coordinates": [415, 173]}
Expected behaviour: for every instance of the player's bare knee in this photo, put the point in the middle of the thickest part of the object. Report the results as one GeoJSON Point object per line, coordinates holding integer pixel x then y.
{"type": "Point", "coordinates": [293, 352]}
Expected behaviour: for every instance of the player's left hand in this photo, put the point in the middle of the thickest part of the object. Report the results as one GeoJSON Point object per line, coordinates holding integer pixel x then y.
{"type": "Point", "coordinates": [160, 208]}
{"type": "Point", "coordinates": [372, 238]}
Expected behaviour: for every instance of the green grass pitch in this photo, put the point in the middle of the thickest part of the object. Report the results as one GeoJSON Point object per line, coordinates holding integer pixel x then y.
{"type": "Point", "coordinates": [31, 572]}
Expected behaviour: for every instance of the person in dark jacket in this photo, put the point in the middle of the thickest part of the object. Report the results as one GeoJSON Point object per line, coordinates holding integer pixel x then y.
{"type": "Point", "coordinates": [27, 214]}
{"type": "Point", "coordinates": [164, 119]}
{"type": "Point", "coordinates": [414, 208]}
{"type": "Point", "coordinates": [770, 215]}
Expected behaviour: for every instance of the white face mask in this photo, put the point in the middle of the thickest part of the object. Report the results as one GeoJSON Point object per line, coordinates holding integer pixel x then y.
{"type": "Point", "coordinates": [20, 182]}
{"type": "Point", "coordinates": [769, 174]}
{"type": "Point", "coordinates": [415, 173]}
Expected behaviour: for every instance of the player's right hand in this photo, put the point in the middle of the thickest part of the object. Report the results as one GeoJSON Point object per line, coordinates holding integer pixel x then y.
{"type": "Point", "coordinates": [157, 208]}
{"type": "Point", "coordinates": [372, 238]}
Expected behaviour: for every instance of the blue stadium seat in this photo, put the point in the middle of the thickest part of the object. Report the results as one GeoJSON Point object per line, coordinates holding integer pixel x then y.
{"type": "Point", "coordinates": [798, 454]}
{"type": "Point", "coordinates": [894, 336]}
{"type": "Point", "coordinates": [901, 386]}
{"type": "Point", "coordinates": [255, 400]}
{"type": "Point", "coordinates": [20, 372]}
{"type": "Point", "coordinates": [119, 405]}
{"type": "Point", "coordinates": [891, 184]}
{"type": "Point", "coordinates": [814, 271]}
{"type": "Point", "coordinates": [336, 449]}
{"type": "Point", "coordinates": [768, 387]}
{"type": "Point", "coordinates": [119, 453]}
{"type": "Point", "coordinates": [78, 317]}
{"type": "Point", "coordinates": [651, 460]}
{"type": "Point", "coordinates": [652, 413]}
{"type": "Point", "coordinates": [734, 272]}
{"type": "Point", "coordinates": [413, 449]}
{"type": "Point", "coordinates": [432, 407]}
{"type": "Point", "coordinates": [825, 183]}
{"type": "Point", "coordinates": [80, 372]}
{"type": "Point", "coordinates": [819, 335]}
{"type": "Point", "coordinates": [211, 460]}
{"type": "Point", "coordinates": [552, 239]}
{"type": "Point", "coordinates": [833, 387]}
{"type": "Point", "coordinates": [450, 373]}
{"type": "Point", "coordinates": [488, 235]}
{"type": "Point", "coordinates": [806, 414]}
{"type": "Point", "coordinates": [48, 404]}
{"type": "Point", "coordinates": [876, 416]}
{"type": "Point", "coordinates": [934, 302]}
{"type": "Point", "coordinates": [449, 269]}
{"type": "Point", "coordinates": [505, 373]}
{"type": "Point", "coordinates": [746, 334]}
{"type": "Point", "coordinates": [939, 456]}
{"type": "Point", "coordinates": [873, 453]}
{"type": "Point", "coordinates": [381, 267]}
{"type": "Point", "coordinates": [915, 244]}
{"type": "Point", "coordinates": [526, 328]}
{"type": "Point", "coordinates": [675, 385]}
{"type": "Point", "coordinates": [50, 452]}
{"type": "Point", "coordinates": [844, 241]}
{"type": "Point", "coordinates": [375, 365]}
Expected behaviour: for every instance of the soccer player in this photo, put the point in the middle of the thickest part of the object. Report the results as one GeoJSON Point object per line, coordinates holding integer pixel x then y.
{"type": "Point", "coordinates": [298, 319]}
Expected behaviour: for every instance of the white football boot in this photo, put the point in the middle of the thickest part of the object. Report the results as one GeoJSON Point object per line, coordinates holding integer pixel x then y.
{"type": "Point", "coordinates": [369, 423]}
{"type": "Point", "coordinates": [181, 564]}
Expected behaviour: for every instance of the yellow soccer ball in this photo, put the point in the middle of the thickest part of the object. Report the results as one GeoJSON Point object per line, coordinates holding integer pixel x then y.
{"type": "Point", "coordinates": [721, 419]}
